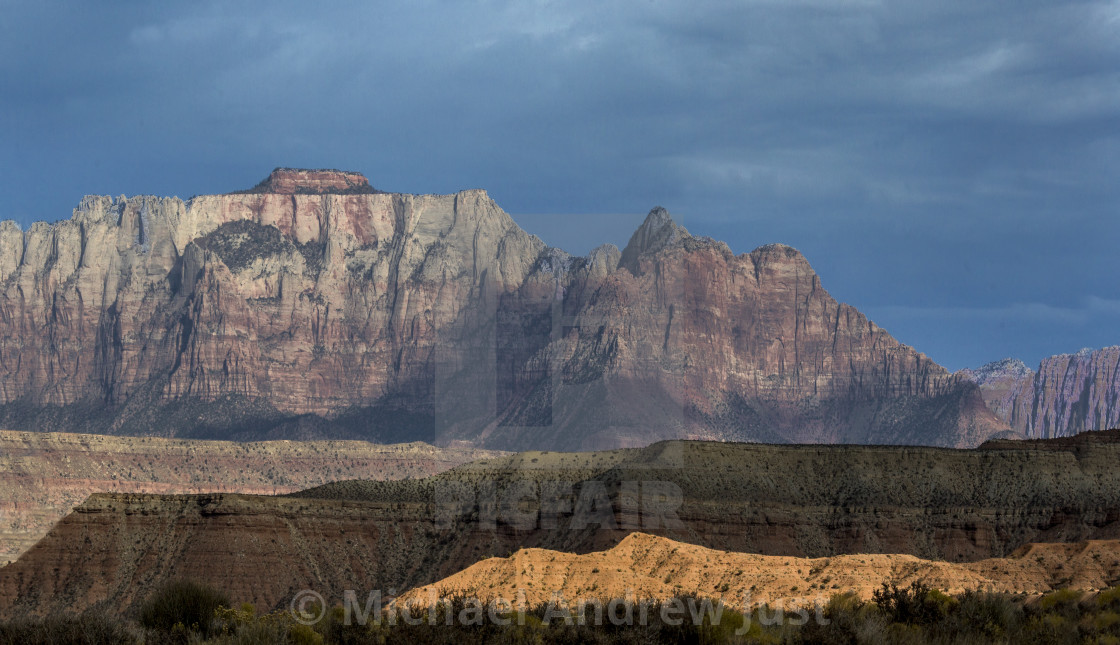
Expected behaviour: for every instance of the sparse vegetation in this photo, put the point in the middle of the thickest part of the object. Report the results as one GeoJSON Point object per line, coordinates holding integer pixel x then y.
{"type": "Point", "coordinates": [92, 627]}
{"type": "Point", "coordinates": [242, 242]}
{"type": "Point", "coordinates": [183, 606]}
{"type": "Point", "coordinates": [186, 612]}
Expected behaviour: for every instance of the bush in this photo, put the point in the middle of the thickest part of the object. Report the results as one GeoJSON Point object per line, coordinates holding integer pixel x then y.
{"type": "Point", "coordinates": [194, 614]}
{"type": "Point", "coordinates": [917, 604]}
{"type": "Point", "coordinates": [848, 620]}
{"type": "Point", "coordinates": [1064, 601]}
{"type": "Point", "coordinates": [1109, 599]}
{"type": "Point", "coordinates": [89, 628]}
{"type": "Point", "coordinates": [993, 616]}
{"type": "Point", "coordinates": [183, 606]}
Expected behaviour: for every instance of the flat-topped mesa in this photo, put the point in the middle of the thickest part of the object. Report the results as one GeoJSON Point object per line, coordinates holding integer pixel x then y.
{"type": "Point", "coordinates": [299, 181]}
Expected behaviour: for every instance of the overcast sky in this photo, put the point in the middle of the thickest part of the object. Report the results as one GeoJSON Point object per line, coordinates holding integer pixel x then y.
{"type": "Point", "coordinates": [952, 169]}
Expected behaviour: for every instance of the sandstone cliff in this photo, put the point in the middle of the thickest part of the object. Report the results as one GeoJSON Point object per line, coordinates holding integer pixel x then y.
{"type": "Point", "coordinates": [1003, 384]}
{"type": "Point", "coordinates": [316, 306]}
{"type": "Point", "coordinates": [1070, 393]}
{"type": "Point", "coordinates": [804, 501]}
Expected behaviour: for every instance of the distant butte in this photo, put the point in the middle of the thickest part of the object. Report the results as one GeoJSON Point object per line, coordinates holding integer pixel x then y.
{"type": "Point", "coordinates": [299, 181]}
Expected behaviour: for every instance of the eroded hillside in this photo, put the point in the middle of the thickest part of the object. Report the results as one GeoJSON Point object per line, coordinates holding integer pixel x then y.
{"type": "Point", "coordinates": [803, 501]}
{"type": "Point", "coordinates": [44, 475]}
{"type": "Point", "coordinates": [647, 567]}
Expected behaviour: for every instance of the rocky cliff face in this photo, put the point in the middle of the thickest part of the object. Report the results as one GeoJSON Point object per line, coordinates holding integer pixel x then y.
{"type": "Point", "coordinates": [1005, 385]}
{"type": "Point", "coordinates": [316, 306]}
{"type": "Point", "coordinates": [1070, 393]}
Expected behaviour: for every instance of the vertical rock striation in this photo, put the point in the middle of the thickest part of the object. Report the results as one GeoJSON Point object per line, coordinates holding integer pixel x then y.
{"type": "Point", "coordinates": [1070, 393]}
{"type": "Point", "coordinates": [316, 306]}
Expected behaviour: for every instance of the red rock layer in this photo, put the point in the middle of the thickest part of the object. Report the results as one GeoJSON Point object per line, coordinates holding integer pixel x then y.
{"type": "Point", "coordinates": [814, 501]}
{"type": "Point", "coordinates": [291, 181]}
{"type": "Point", "coordinates": [44, 475]}
{"type": "Point", "coordinates": [399, 317]}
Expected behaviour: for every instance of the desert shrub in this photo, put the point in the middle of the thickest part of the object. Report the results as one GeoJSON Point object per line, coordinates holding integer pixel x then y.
{"type": "Point", "coordinates": [917, 604]}
{"type": "Point", "coordinates": [1049, 629]}
{"type": "Point", "coordinates": [89, 628]}
{"type": "Point", "coordinates": [254, 634]}
{"type": "Point", "coordinates": [991, 616]}
{"type": "Point", "coordinates": [1106, 621]}
{"type": "Point", "coordinates": [304, 635]}
{"type": "Point", "coordinates": [538, 625]}
{"type": "Point", "coordinates": [336, 631]}
{"type": "Point", "coordinates": [848, 620]}
{"type": "Point", "coordinates": [1109, 599]}
{"type": "Point", "coordinates": [915, 614]}
{"type": "Point", "coordinates": [1064, 601]}
{"type": "Point", "coordinates": [242, 626]}
{"type": "Point", "coordinates": [182, 607]}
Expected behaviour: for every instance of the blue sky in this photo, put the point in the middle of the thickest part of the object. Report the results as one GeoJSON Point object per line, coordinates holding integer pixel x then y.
{"type": "Point", "coordinates": [949, 168]}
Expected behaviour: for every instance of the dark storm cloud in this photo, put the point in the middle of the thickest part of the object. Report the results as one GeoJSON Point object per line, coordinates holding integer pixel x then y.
{"type": "Point", "coordinates": [949, 167]}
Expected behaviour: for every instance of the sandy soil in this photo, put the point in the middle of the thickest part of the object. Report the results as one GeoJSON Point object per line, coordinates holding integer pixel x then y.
{"type": "Point", "coordinates": [645, 566]}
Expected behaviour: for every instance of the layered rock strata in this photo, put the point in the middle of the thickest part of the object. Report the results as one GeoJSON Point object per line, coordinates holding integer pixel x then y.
{"type": "Point", "coordinates": [45, 475]}
{"type": "Point", "coordinates": [803, 501]}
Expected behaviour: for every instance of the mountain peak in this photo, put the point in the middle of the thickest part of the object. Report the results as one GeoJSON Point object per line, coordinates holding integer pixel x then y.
{"type": "Point", "coordinates": [1001, 369]}
{"type": "Point", "coordinates": [323, 181]}
{"type": "Point", "coordinates": [656, 232]}
{"type": "Point", "coordinates": [658, 216]}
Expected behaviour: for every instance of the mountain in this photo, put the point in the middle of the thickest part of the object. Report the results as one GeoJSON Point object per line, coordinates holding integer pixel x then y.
{"type": "Point", "coordinates": [1070, 393]}
{"type": "Point", "coordinates": [315, 306]}
{"type": "Point", "coordinates": [1002, 384]}
{"type": "Point", "coordinates": [791, 501]}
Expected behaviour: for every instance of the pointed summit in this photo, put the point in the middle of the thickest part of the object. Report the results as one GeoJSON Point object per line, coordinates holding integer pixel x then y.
{"type": "Point", "coordinates": [656, 232]}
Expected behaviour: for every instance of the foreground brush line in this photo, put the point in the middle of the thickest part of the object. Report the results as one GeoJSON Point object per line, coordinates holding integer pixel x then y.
{"type": "Point", "coordinates": [186, 612]}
